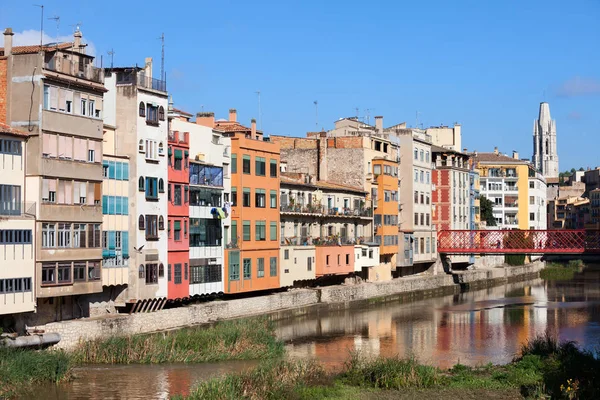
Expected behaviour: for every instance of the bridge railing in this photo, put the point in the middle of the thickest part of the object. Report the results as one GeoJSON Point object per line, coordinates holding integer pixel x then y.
{"type": "Point", "coordinates": [519, 241]}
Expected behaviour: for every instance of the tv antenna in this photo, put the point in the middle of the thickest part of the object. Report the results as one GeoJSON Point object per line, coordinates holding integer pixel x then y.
{"type": "Point", "coordinates": [316, 103]}
{"type": "Point", "coordinates": [56, 19]}
{"type": "Point", "coordinates": [162, 57]}
{"type": "Point", "coordinates": [259, 111]}
{"type": "Point", "coordinates": [41, 25]}
{"type": "Point", "coordinates": [111, 53]}
{"type": "Point", "coordinates": [368, 113]}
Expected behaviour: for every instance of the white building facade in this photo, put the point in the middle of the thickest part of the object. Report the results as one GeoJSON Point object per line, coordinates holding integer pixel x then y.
{"type": "Point", "coordinates": [537, 201]}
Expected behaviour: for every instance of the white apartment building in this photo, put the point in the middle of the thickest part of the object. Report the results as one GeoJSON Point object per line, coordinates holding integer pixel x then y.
{"type": "Point", "coordinates": [136, 107]}
{"type": "Point", "coordinates": [210, 188]}
{"type": "Point", "coordinates": [537, 201]}
{"type": "Point", "coordinates": [17, 228]}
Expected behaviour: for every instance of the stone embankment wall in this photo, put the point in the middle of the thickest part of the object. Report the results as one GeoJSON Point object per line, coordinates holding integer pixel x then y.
{"type": "Point", "coordinates": [281, 305]}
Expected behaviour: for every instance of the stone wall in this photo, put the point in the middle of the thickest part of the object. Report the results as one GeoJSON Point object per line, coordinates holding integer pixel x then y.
{"type": "Point", "coordinates": [283, 305]}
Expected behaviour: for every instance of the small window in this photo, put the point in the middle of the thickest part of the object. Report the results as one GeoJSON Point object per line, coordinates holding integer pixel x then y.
{"type": "Point", "coordinates": [141, 184]}
{"type": "Point", "coordinates": [161, 223]}
{"type": "Point", "coordinates": [141, 223]}
{"type": "Point", "coordinates": [141, 147]}
{"type": "Point", "coordinates": [161, 113]}
{"type": "Point", "coordinates": [91, 156]}
{"type": "Point", "coordinates": [161, 185]}
{"type": "Point", "coordinates": [141, 271]}
{"type": "Point", "coordinates": [161, 271]}
{"type": "Point", "coordinates": [161, 149]}
{"type": "Point", "coordinates": [142, 109]}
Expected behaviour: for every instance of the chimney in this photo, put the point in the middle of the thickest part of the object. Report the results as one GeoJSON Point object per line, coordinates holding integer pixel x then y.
{"type": "Point", "coordinates": [465, 150]}
{"type": "Point", "coordinates": [206, 119]}
{"type": "Point", "coordinates": [496, 151]}
{"type": "Point", "coordinates": [148, 67]}
{"type": "Point", "coordinates": [232, 115]}
{"type": "Point", "coordinates": [171, 104]}
{"type": "Point", "coordinates": [379, 124]}
{"type": "Point", "coordinates": [77, 41]}
{"type": "Point", "coordinates": [515, 155]}
{"type": "Point", "coordinates": [322, 155]}
{"type": "Point", "coordinates": [8, 40]}
{"type": "Point", "coordinates": [253, 127]}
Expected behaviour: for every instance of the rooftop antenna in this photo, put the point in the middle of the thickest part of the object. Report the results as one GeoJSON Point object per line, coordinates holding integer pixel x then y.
{"type": "Point", "coordinates": [111, 53]}
{"type": "Point", "coordinates": [259, 112]}
{"type": "Point", "coordinates": [41, 25]}
{"type": "Point", "coordinates": [356, 109]}
{"type": "Point", "coordinates": [316, 103]}
{"type": "Point", "coordinates": [56, 19]}
{"type": "Point", "coordinates": [162, 58]}
{"type": "Point", "coordinates": [368, 113]}
{"type": "Point", "coordinates": [417, 119]}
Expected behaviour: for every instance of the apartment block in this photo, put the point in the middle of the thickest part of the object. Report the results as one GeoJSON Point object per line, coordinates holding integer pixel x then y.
{"type": "Point", "coordinates": [325, 229]}
{"type": "Point", "coordinates": [136, 127]}
{"type": "Point", "coordinates": [208, 203]}
{"type": "Point", "coordinates": [594, 218]}
{"type": "Point", "coordinates": [17, 229]}
{"type": "Point", "coordinates": [55, 94]}
{"type": "Point", "coordinates": [537, 200]}
{"type": "Point", "coordinates": [251, 256]}
{"type": "Point", "coordinates": [474, 194]}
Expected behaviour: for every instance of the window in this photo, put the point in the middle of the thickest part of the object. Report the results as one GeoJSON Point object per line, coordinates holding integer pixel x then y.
{"type": "Point", "coordinates": [260, 198]}
{"type": "Point", "coordinates": [260, 230]}
{"type": "Point", "coordinates": [142, 109]}
{"type": "Point", "coordinates": [532, 216]}
{"type": "Point", "coordinates": [79, 234]}
{"type": "Point", "coordinates": [416, 175]}
{"type": "Point", "coordinates": [141, 147]}
{"type": "Point", "coordinates": [151, 227]}
{"type": "Point", "coordinates": [186, 194]}
{"type": "Point", "coordinates": [141, 184]}
{"type": "Point", "coordinates": [427, 156]}
{"type": "Point", "coordinates": [234, 196]}
{"type": "Point", "coordinates": [169, 273]}
{"type": "Point", "coordinates": [161, 113]}
{"type": "Point", "coordinates": [151, 115]}
{"type": "Point", "coordinates": [421, 154]}
{"type": "Point", "coordinates": [427, 245]}
{"type": "Point", "coordinates": [234, 266]}
{"type": "Point", "coordinates": [427, 199]}
{"type": "Point", "coordinates": [246, 230]}
{"type": "Point", "coordinates": [48, 273]}
{"type": "Point", "coordinates": [48, 235]}
{"type": "Point", "coordinates": [64, 272]}
{"type": "Point", "coordinates": [161, 186]}
{"type": "Point", "coordinates": [204, 232]}
{"type": "Point", "coordinates": [151, 150]}
{"type": "Point", "coordinates": [206, 175]}
{"type": "Point", "coordinates": [246, 164]}
{"type": "Point", "coordinates": [273, 230]}
{"type": "Point", "coordinates": [161, 223]}
{"type": "Point", "coordinates": [204, 196]}
{"type": "Point", "coordinates": [177, 159]}
{"type": "Point", "coordinates": [91, 156]}
{"type": "Point", "coordinates": [94, 234]}
{"type": "Point", "coordinates": [416, 155]}
{"type": "Point", "coordinates": [416, 218]}
{"type": "Point", "coordinates": [92, 108]}
{"type": "Point", "coordinates": [234, 163]}
{"type": "Point", "coordinates": [177, 273]}
{"type": "Point", "coordinates": [16, 236]}
{"type": "Point", "coordinates": [531, 199]}
{"type": "Point", "coordinates": [247, 268]}
{"type": "Point", "coordinates": [260, 166]}
{"type": "Point", "coordinates": [421, 175]}
{"type": "Point", "coordinates": [260, 267]}
{"type": "Point", "coordinates": [273, 266]}
{"type": "Point", "coordinates": [79, 271]}
{"type": "Point", "coordinates": [64, 235]}
{"type": "Point", "coordinates": [177, 195]}
{"type": "Point", "coordinates": [246, 197]}
{"type": "Point", "coordinates": [8, 146]}
{"type": "Point", "coordinates": [152, 188]}
{"type": "Point", "coordinates": [273, 168]}
{"type": "Point", "coordinates": [161, 271]}
{"type": "Point", "coordinates": [83, 106]}
{"type": "Point", "coordinates": [185, 271]}
{"type": "Point", "coordinates": [177, 230]}
{"type": "Point", "coordinates": [427, 219]}
{"type": "Point", "coordinates": [531, 185]}
{"type": "Point", "coordinates": [151, 274]}
{"type": "Point", "coordinates": [10, 200]}
{"type": "Point", "coordinates": [273, 198]}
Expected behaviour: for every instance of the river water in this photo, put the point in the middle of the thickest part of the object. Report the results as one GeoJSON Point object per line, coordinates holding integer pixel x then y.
{"type": "Point", "coordinates": [473, 328]}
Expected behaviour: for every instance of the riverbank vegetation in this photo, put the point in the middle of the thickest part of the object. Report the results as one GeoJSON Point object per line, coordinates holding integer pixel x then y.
{"type": "Point", "coordinates": [20, 368]}
{"type": "Point", "coordinates": [245, 339]}
{"type": "Point", "coordinates": [544, 369]}
{"type": "Point", "coordinates": [561, 272]}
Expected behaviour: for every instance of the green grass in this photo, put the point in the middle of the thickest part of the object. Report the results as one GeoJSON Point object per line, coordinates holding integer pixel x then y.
{"type": "Point", "coordinates": [561, 272]}
{"type": "Point", "coordinates": [230, 340]}
{"type": "Point", "coordinates": [20, 368]}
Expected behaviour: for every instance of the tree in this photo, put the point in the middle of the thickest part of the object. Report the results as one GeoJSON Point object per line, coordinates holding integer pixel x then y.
{"type": "Point", "coordinates": [485, 211]}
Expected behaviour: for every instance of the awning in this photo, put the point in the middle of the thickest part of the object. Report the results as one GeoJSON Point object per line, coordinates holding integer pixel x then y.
{"type": "Point", "coordinates": [178, 154]}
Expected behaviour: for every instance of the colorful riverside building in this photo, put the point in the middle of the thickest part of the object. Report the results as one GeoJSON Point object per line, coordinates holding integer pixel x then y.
{"type": "Point", "coordinates": [251, 256]}
{"type": "Point", "coordinates": [136, 127]}
{"type": "Point", "coordinates": [207, 228]}
{"type": "Point", "coordinates": [178, 196]}
{"type": "Point", "coordinates": [17, 230]}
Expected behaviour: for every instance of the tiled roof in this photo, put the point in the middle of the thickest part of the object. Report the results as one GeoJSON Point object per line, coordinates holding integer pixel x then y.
{"type": "Point", "coordinates": [36, 48]}
{"type": "Point", "coordinates": [228, 126]}
{"type": "Point", "coordinates": [8, 130]}
{"type": "Point", "coordinates": [495, 158]}
{"type": "Point", "coordinates": [552, 180]}
{"type": "Point", "coordinates": [319, 184]}
{"type": "Point", "coordinates": [178, 111]}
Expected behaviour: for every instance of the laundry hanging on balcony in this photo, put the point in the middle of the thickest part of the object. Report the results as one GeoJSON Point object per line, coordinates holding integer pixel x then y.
{"type": "Point", "coordinates": [218, 212]}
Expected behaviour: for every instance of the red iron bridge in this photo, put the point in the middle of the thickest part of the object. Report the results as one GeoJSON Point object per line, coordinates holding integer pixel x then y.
{"type": "Point", "coordinates": [519, 241]}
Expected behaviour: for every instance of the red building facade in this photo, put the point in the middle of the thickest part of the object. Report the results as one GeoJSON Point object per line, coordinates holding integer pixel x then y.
{"type": "Point", "coordinates": [178, 221]}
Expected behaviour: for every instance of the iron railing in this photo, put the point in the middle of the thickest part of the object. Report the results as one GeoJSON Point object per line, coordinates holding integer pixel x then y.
{"type": "Point", "coordinates": [151, 83]}
{"type": "Point", "coordinates": [324, 210]}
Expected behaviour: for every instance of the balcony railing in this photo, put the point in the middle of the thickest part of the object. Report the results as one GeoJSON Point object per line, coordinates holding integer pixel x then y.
{"type": "Point", "coordinates": [72, 68]}
{"type": "Point", "coordinates": [334, 240]}
{"type": "Point", "coordinates": [324, 210]}
{"type": "Point", "coordinates": [233, 244]}
{"type": "Point", "coordinates": [151, 83]}
{"type": "Point", "coordinates": [17, 209]}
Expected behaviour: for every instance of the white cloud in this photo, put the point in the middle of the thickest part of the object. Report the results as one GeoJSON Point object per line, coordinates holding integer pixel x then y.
{"type": "Point", "coordinates": [32, 36]}
{"type": "Point", "coordinates": [579, 86]}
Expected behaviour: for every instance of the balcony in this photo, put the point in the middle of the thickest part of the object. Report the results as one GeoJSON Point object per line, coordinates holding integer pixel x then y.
{"type": "Point", "coordinates": [151, 83]}
{"type": "Point", "coordinates": [75, 69]}
{"type": "Point", "coordinates": [17, 209]}
{"type": "Point", "coordinates": [232, 245]}
{"type": "Point", "coordinates": [334, 240]}
{"type": "Point", "coordinates": [319, 209]}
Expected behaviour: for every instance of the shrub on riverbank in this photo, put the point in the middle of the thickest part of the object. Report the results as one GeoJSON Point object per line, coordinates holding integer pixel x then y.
{"type": "Point", "coordinates": [20, 367]}
{"type": "Point", "coordinates": [561, 272]}
{"type": "Point", "coordinates": [252, 338]}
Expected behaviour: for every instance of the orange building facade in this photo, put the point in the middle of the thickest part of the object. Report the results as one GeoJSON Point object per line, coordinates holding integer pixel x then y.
{"type": "Point", "coordinates": [385, 215]}
{"type": "Point", "coordinates": [334, 260]}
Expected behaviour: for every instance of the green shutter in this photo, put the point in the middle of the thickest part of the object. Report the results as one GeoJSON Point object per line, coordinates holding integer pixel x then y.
{"type": "Point", "coordinates": [178, 154]}
{"type": "Point", "coordinates": [170, 151]}
{"type": "Point", "coordinates": [234, 163]}
{"type": "Point", "coordinates": [177, 225]}
{"type": "Point", "coordinates": [273, 232]}
{"type": "Point", "coordinates": [186, 153]}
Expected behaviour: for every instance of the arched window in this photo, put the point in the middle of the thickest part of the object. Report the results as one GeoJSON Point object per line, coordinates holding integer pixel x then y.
{"type": "Point", "coordinates": [141, 184]}
{"type": "Point", "coordinates": [141, 271]}
{"type": "Point", "coordinates": [161, 271]}
{"type": "Point", "coordinates": [546, 146]}
{"type": "Point", "coordinates": [142, 109]}
{"type": "Point", "coordinates": [161, 223]}
{"type": "Point", "coordinates": [161, 149]}
{"type": "Point", "coordinates": [161, 185]}
{"type": "Point", "coordinates": [141, 146]}
{"type": "Point", "coordinates": [161, 113]}
{"type": "Point", "coordinates": [141, 222]}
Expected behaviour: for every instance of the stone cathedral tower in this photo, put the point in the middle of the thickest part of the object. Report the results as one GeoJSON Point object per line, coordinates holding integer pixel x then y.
{"type": "Point", "coordinates": [545, 155]}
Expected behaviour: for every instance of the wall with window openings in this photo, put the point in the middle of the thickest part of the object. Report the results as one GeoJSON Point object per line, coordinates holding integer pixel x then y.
{"type": "Point", "coordinates": [12, 176]}
{"type": "Point", "coordinates": [70, 101]}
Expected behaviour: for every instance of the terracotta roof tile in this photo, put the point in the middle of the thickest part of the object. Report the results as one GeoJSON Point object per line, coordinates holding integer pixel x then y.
{"type": "Point", "coordinates": [36, 48]}
{"type": "Point", "coordinates": [493, 157]}
{"type": "Point", "coordinates": [8, 130]}
{"type": "Point", "coordinates": [228, 126]}
{"type": "Point", "coordinates": [178, 111]}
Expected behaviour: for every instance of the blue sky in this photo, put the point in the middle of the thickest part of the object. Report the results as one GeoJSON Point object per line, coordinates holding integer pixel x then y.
{"type": "Point", "coordinates": [484, 64]}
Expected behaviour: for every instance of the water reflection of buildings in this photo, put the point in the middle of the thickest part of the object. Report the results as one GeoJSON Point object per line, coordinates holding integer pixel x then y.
{"type": "Point", "coordinates": [474, 327]}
